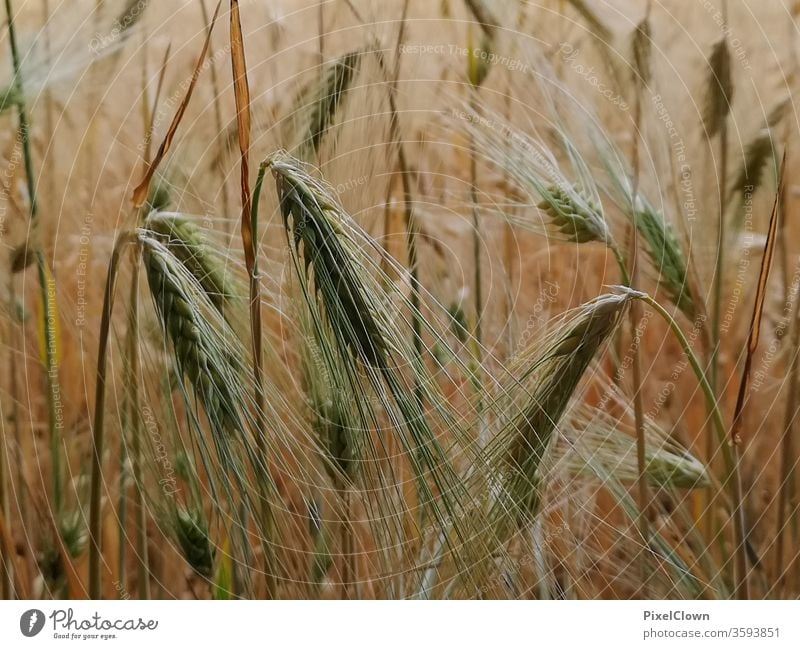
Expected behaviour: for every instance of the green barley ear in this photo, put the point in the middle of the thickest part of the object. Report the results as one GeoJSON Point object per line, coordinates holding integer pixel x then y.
{"type": "Point", "coordinates": [595, 437]}
{"type": "Point", "coordinates": [666, 255]}
{"type": "Point", "coordinates": [201, 348]}
{"type": "Point", "coordinates": [223, 579]}
{"type": "Point", "coordinates": [558, 369]}
{"type": "Point", "coordinates": [336, 436]}
{"type": "Point", "coordinates": [478, 65]}
{"type": "Point", "coordinates": [311, 218]}
{"type": "Point", "coordinates": [21, 257]}
{"type": "Point", "coordinates": [659, 240]}
{"type": "Point", "coordinates": [191, 532]}
{"type": "Point", "coordinates": [570, 199]}
{"type": "Point", "coordinates": [458, 322]}
{"type": "Point", "coordinates": [719, 88]}
{"type": "Point", "coordinates": [332, 419]}
{"type": "Point", "coordinates": [338, 78]}
{"type": "Point", "coordinates": [642, 52]}
{"type": "Point", "coordinates": [9, 98]}
{"type": "Point", "coordinates": [132, 13]}
{"type": "Point", "coordinates": [345, 300]}
{"type": "Point", "coordinates": [757, 154]}
{"type": "Point", "coordinates": [160, 197]}
{"type": "Point", "coordinates": [185, 240]}
{"type": "Point", "coordinates": [478, 61]}
{"type": "Point", "coordinates": [74, 534]}
{"type": "Point", "coordinates": [666, 468]}
{"type": "Point", "coordinates": [576, 216]}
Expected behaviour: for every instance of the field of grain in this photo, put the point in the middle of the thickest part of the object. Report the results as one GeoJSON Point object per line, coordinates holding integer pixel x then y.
{"type": "Point", "coordinates": [354, 299]}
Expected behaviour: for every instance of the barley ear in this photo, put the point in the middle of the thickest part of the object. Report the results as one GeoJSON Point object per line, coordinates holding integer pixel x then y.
{"type": "Point", "coordinates": [576, 216]}
{"type": "Point", "coordinates": [191, 531]}
{"type": "Point", "coordinates": [642, 52]}
{"type": "Point", "coordinates": [184, 240]}
{"type": "Point", "coordinates": [338, 78]}
{"type": "Point", "coordinates": [201, 351]}
{"type": "Point", "coordinates": [666, 256]}
{"type": "Point", "coordinates": [719, 88]}
{"type": "Point", "coordinates": [758, 153]}
{"type": "Point", "coordinates": [558, 369]}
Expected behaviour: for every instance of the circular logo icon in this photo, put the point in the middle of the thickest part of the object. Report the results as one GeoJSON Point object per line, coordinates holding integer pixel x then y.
{"type": "Point", "coordinates": [31, 622]}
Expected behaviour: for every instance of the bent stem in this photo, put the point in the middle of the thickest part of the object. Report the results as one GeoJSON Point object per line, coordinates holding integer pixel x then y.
{"type": "Point", "coordinates": [98, 429]}
{"type": "Point", "coordinates": [711, 401]}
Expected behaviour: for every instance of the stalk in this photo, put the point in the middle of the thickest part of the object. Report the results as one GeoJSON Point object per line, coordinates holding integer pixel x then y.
{"type": "Point", "coordinates": [13, 342]}
{"type": "Point", "coordinates": [405, 177]}
{"type": "Point", "coordinates": [218, 122]}
{"type": "Point", "coordinates": [742, 572]}
{"type": "Point", "coordinates": [635, 313]}
{"type": "Point", "coordinates": [6, 565]}
{"type": "Point", "coordinates": [712, 405]}
{"type": "Point", "coordinates": [21, 483]}
{"type": "Point", "coordinates": [716, 121]}
{"type": "Point", "coordinates": [321, 31]}
{"type": "Point", "coordinates": [48, 103]}
{"type": "Point", "coordinates": [411, 227]}
{"type": "Point", "coordinates": [98, 432]}
{"type": "Point", "coordinates": [51, 373]}
{"type": "Point", "coordinates": [708, 392]}
{"type": "Point", "coordinates": [787, 454]}
{"type": "Point", "coordinates": [135, 421]}
{"type": "Point", "coordinates": [476, 235]}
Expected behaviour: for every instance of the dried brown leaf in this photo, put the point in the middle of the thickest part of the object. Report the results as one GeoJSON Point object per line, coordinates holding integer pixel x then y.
{"type": "Point", "coordinates": [141, 192]}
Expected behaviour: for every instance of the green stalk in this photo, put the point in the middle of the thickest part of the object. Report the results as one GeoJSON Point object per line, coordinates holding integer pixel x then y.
{"type": "Point", "coordinates": [6, 565]}
{"type": "Point", "coordinates": [405, 177]}
{"type": "Point", "coordinates": [716, 315]}
{"type": "Point", "coordinates": [635, 316]}
{"type": "Point", "coordinates": [13, 344]}
{"type": "Point", "coordinates": [50, 345]}
{"type": "Point", "coordinates": [788, 454]}
{"type": "Point", "coordinates": [21, 485]}
{"type": "Point", "coordinates": [712, 405]}
{"type": "Point", "coordinates": [135, 421]}
{"type": "Point", "coordinates": [476, 233]}
{"type": "Point", "coordinates": [255, 320]}
{"type": "Point", "coordinates": [98, 429]}
{"type": "Point", "coordinates": [711, 400]}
